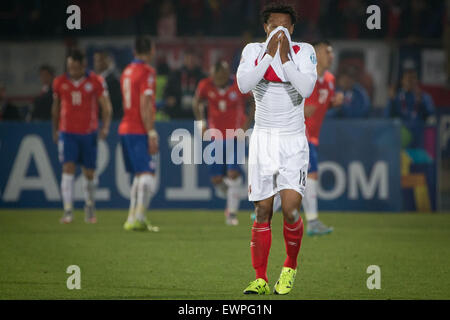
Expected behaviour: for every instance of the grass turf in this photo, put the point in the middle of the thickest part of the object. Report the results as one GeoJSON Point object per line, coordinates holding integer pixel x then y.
{"type": "Point", "coordinates": [196, 256]}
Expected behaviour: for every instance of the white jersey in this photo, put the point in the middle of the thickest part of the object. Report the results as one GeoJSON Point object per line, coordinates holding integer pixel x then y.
{"type": "Point", "coordinates": [279, 105]}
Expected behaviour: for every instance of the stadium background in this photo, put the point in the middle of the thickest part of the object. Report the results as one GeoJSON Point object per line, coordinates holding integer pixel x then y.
{"type": "Point", "coordinates": [385, 165]}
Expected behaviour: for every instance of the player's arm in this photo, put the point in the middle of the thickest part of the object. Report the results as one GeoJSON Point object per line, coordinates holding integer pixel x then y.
{"type": "Point", "coordinates": [338, 99]}
{"type": "Point", "coordinates": [198, 107]}
{"type": "Point", "coordinates": [106, 107]}
{"type": "Point", "coordinates": [148, 120]}
{"type": "Point", "coordinates": [303, 74]}
{"type": "Point", "coordinates": [56, 111]}
{"type": "Point", "coordinates": [248, 75]}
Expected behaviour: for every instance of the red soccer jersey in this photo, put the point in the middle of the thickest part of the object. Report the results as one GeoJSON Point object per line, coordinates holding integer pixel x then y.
{"type": "Point", "coordinates": [79, 106]}
{"type": "Point", "coordinates": [226, 107]}
{"type": "Point", "coordinates": [321, 99]}
{"type": "Point", "coordinates": [137, 79]}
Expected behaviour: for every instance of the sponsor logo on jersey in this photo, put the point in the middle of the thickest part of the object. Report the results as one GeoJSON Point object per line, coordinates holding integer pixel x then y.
{"type": "Point", "coordinates": [313, 58]}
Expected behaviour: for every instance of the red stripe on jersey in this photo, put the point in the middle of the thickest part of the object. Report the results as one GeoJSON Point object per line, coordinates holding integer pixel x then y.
{"type": "Point", "coordinates": [270, 74]}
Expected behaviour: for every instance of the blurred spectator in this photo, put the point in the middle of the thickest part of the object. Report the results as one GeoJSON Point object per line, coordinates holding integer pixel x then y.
{"type": "Point", "coordinates": [8, 111]}
{"type": "Point", "coordinates": [180, 88]}
{"type": "Point", "coordinates": [355, 61]}
{"type": "Point", "coordinates": [356, 100]}
{"type": "Point", "coordinates": [42, 104]}
{"type": "Point", "coordinates": [167, 21]}
{"type": "Point", "coordinates": [104, 66]}
{"type": "Point", "coordinates": [410, 103]}
{"type": "Point", "coordinates": [413, 106]}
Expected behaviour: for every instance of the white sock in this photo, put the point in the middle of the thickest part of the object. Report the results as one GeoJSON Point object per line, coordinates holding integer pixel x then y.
{"type": "Point", "coordinates": [67, 190]}
{"type": "Point", "coordinates": [276, 203]}
{"type": "Point", "coordinates": [233, 193]}
{"type": "Point", "coordinates": [309, 202]}
{"type": "Point", "coordinates": [133, 200]}
{"type": "Point", "coordinates": [221, 190]}
{"type": "Point", "coordinates": [145, 190]}
{"type": "Point", "coordinates": [89, 191]}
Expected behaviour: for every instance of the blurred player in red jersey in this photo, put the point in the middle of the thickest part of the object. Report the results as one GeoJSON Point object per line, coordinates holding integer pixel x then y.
{"type": "Point", "coordinates": [316, 106]}
{"type": "Point", "coordinates": [137, 132]}
{"type": "Point", "coordinates": [76, 97]}
{"type": "Point", "coordinates": [226, 109]}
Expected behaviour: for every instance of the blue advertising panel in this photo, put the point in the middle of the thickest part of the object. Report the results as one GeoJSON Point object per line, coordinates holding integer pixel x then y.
{"type": "Point", "coordinates": [358, 166]}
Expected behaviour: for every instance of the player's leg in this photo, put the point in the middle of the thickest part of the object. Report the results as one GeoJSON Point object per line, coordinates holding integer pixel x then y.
{"type": "Point", "coordinates": [260, 246]}
{"type": "Point", "coordinates": [89, 195]}
{"type": "Point", "coordinates": [262, 169]}
{"type": "Point", "coordinates": [233, 180]}
{"type": "Point", "coordinates": [314, 225]}
{"type": "Point", "coordinates": [144, 166]}
{"type": "Point", "coordinates": [68, 154]}
{"type": "Point", "coordinates": [146, 189]}
{"type": "Point", "coordinates": [132, 209]}
{"type": "Point", "coordinates": [293, 234]}
{"type": "Point", "coordinates": [127, 152]}
{"type": "Point", "coordinates": [89, 161]}
{"type": "Point", "coordinates": [67, 190]}
{"type": "Point", "coordinates": [276, 206]}
{"type": "Point", "coordinates": [291, 182]}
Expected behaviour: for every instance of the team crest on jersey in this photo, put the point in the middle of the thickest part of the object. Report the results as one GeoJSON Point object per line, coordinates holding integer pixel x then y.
{"type": "Point", "coordinates": [88, 87]}
{"type": "Point", "coordinates": [212, 95]}
{"type": "Point", "coordinates": [64, 86]}
{"type": "Point", "coordinates": [232, 95]}
{"type": "Point", "coordinates": [313, 58]}
{"type": "Point", "coordinates": [331, 85]}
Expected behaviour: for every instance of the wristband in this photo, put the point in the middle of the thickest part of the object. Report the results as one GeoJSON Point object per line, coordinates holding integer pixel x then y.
{"type": "Point", "coordinates": [152, 133]}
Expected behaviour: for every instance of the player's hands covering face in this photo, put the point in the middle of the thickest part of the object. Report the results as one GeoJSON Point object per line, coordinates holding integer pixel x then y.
{"type": "Point", "coordinates": [272, 47]}
{"type": "Point", "coordinates": [284, 48]}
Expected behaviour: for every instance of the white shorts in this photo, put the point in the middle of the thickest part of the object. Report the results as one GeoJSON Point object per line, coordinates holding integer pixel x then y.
{"type": "Point", "coordinates": [276, 162]}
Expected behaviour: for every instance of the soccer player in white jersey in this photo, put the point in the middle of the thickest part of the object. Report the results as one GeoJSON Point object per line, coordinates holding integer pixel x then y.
{"type": "Point", "coordinates": [281, 74]}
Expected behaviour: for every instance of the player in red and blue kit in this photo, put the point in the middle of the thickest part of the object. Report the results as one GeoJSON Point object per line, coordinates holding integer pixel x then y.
{"type": "Point", "coordinates": [226, 109]}
{"type": "Point", "coordinates": [76, 97]}
{"type": "Point", "coordinates": [138, 136]}
{"type": "Point", "coordinates": [316, 106]}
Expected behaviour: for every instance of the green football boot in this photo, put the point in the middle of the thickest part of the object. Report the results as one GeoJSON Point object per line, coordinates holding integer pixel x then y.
{"type": "Point", "coordinates": [258, 286]}
{"type": "Point", "coordinates": [128, 226]}
{"type": "Point", "coordinates": [139, 225]}
{"type": "Point", "coordinates": [286, 281]}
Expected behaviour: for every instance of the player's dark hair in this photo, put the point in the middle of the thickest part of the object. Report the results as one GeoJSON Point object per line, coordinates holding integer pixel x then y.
{"type": "Point", "coordinates": [320, 42]}
{"type": "Point", "coordinates": [143, 45]}
{"type": "Point", "coordinates": [48, 68]}
{"type": "Point", "coordinates": [278, 7]}
{"type": "Point", "coordinates": [76, 55]}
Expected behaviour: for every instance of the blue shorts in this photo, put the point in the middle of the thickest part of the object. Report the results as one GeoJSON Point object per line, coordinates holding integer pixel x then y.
{"type": "Point", "coordinates": [78, 148]}
{"type": "Point", "coordinates": [313, 158]}
{"type": "Point", "coordinates": [229, 160]}
{"type": "Point", "coordinates": [135, 153]}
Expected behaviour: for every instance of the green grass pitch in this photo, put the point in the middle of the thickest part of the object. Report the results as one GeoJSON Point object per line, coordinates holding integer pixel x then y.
{"type": "Point", "coordinates": [196, 256]}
